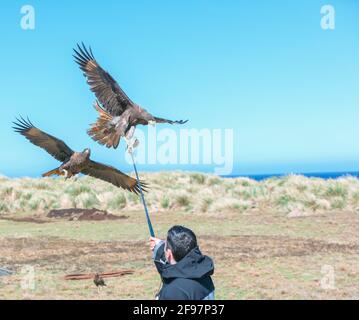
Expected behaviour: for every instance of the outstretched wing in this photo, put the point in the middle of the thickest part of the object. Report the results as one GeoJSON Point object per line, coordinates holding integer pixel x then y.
{"type": "Point", "coordinates": [161, 120]}
{"type": "Point", "coordinates": [57, 148]}
{"type": "Point", "coordinates": [114, 176]}
{"type": "Point", "coordinates": [106, 89]}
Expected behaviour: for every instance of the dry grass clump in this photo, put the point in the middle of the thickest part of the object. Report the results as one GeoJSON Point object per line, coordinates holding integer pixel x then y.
{"type": "Point", "coordinates": [165, 202]}
{"type": "Point", "coordinates": [206, 203]}
{"type": "Point", "coordinates": [194, 192]}
{"type": "Point", "coordinates": [183, 200]}
{"type": "Point", "coordinates": [198, 178]}
{"type": "Point", "coordinates": [118, 202]}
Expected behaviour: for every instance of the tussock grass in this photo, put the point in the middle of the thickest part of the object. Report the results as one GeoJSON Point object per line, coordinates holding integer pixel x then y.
{"type": "Point", "coordinates": [195, 192]}
{"type": "Point", "coordinates": [197, 178]}
{"type": "Point", "coordinates": [206, 204]}
{"type": "Point", "coordinates": [183, 201]}
{"type": "Point", "coordinates": [117, 202]}
{"type": "Point", "coordinates": [3, 207]}
{"type": "Point", "coordinates": [76, 190]}
{"type": "Point", "coordinates": [165, 202]}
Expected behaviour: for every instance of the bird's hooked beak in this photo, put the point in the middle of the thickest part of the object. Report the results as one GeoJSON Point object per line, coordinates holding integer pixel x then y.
{"type": "Point", "coordinates": [152, 123]}
{"type": "Point", "coordinates": [87, 151]}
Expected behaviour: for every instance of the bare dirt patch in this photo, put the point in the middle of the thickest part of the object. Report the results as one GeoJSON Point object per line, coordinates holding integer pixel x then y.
{"type": "Point", "coordinates": [84, 215]}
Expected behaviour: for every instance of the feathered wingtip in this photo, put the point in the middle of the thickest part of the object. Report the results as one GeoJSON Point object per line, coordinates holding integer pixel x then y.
{"type": "Point", "coordinates": [162, 120]}
{"type": "Point", "coordinates": [181, 121]}
{"type": "Point", "coordinates": [144, 187]}
{"type": "Point", "coordinates": [22, 125]}
{"type": "Point", "coordinates": [83, 55]}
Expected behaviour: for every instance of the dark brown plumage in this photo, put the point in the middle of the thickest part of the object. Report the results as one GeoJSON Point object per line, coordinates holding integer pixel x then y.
{"type": "Point", "coordinates": [98, 281]}
{"type": "Point", "coordinates": [74, 162]}
{"type": "Point", "coordinates": [118, 113]}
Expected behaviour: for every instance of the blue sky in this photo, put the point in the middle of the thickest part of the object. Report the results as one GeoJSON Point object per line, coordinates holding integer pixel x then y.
{"type": "Point", "coordinates": [288, 88]}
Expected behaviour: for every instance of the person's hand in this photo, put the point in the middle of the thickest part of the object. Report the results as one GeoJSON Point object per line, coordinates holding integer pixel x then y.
{"type": "Point", "coordinates": [153, 242]}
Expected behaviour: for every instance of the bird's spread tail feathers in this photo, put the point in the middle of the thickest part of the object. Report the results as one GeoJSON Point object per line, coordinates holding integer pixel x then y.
{"type": "Point", "coordinates": [104, 115]}
{"type": "Point", "coordinates": [53, 172]}
{"type": "Point", "coordinates": [102, 131]}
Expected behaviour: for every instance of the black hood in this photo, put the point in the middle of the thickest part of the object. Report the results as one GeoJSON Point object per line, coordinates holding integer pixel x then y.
{"type": "Point", "coordinates": [193, 266]}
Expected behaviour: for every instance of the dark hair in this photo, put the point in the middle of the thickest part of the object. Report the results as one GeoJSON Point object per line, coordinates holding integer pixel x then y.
{"type": "Point", "coordinates": [181, 241]}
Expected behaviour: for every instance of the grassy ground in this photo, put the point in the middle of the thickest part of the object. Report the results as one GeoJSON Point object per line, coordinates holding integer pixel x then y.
{"type": "Point", "coordinates": [266, 250]}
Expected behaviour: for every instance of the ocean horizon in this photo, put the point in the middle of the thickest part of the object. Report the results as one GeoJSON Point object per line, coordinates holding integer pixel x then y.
{"type": "Point", "coordinates": [322, 175]}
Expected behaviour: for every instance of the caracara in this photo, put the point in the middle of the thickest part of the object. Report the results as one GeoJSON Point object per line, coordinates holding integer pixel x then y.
{"type": "Point", "coordinates": [118, 115]}
{"type": "Point", "coordinates": [73, 162]}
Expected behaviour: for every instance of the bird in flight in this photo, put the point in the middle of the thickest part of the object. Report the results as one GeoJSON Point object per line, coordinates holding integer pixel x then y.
{"type": "Point", "coordinates": [73, 162]}
{"type": "Point", "coordinates": [118, 115]}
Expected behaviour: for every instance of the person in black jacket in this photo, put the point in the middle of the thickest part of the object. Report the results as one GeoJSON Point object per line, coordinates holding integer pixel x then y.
{"type": "Point", "coordinates": [185, 272]}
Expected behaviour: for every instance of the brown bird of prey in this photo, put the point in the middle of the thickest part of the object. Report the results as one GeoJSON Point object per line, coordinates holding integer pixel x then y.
{"type": "Point", "coordinates": [99, 282]}
{"type": "Point", "coordinates": [73, 162]}
{"type": "Point", "coordinates": [118, 115]}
